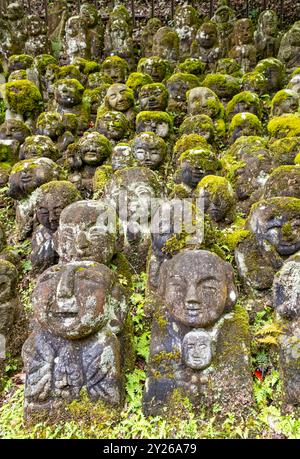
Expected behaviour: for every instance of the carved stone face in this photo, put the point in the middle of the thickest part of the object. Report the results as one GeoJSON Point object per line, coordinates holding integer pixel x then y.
{"type": "Point", "coordinates": [68, 93]}
{"type": "Point", "coordinates": [277, 221]}
{"type": "Point", "coordinates": [88, 15]}
{"type": "Point", "coordinates": [153, 97]}
{"type": "Point", "coordinates": [113, 125]}
{"type": "Point", "coordinates": [197, 349]}
{"type": "Point", "coordinates": [185, 16]}
{"type": "Point", "coordinates": [76, 299]}
{"type": "Point", "coordinates": [286, 289]}
{"type": "Point", "coordinates": [8, 281]}
{"type": "Point", "coordinates": [268, 22]}
{"type": "Point", "coordinates": [117, 71]}
{"type": "Point", "coordinates": [29, 174]}
{"type": "Point", "coordinates": [207, 35]}
{"type": "Point", "coordinates": [50, 124]}
{"type": "Point", "coordinates": [166, 44]}
{"type": "Point", "coordinates": [285, 101]}
{"type": "Point", "coordinates": [218, 196]}
{"type": "Point", "coordinates": [147, 122]}
{"type": "Point", "coordinates": [119, 97]}
{"type": "Point", "coordinates": [86, 232]}
{"type": "Point", "coordinates": [53, 197]}
{"type": "Point", "coordinates": [194, 165]}
{"type": "Point", "coordinates": [149, 150]}
{"type": "Point", "coordinates": [203, 101]}
{"type": "Point", "coordinates": [196, 286]}
{"type": "Point", "coordinates": [37, 146]}
{"type": "Point", "coordinates": [14, 130]}
{"type": "Point", "coordinates": [93, 148]}
{"type": "Point", "coordinates": [121, 157]}
{"type": "Point", "coordinates": [156, 68]}
{"type": "Point", "coordinates": [243, 32]}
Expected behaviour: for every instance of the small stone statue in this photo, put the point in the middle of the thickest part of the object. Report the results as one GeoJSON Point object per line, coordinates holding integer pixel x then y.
{"type": "Point", "coordinates": [37, 41]}
{"type": "Point", "coordinates": [206, 46]}
{"type": "Point", "coordinates": [149, 150]}
{"type": "Point", "coordinates": [120, 98]}
{"type": "Point", "coordinates": [147, 35]}
{"type": "Point", "coordinates": [289, 48]}
{"type": "Point", "coordinates": [52, 198]}
{"type": "Point", "coordinates": [193, 332]}
{"type": "Point", "coordinates": [87, 231]}
{"type": "Point", "coordinates": [267, 36]}
{"type": "Point", "coordinates": [80, 309]}
{"type": "Point", "coordinates": [113, 125]}
{"type": "Point", "coordinates": [224, 18]}
{"type": "Point", "coordinates": [153, 97]}
{"type": "Point", "coordinates": [84, 157]}
{"type": "Point", "coordinates": [274, 235]}
{"type": "Point", "coordinates": [186, 22]}
{"type": "Point", "coordinates": [244, 50]}
{"type": "Point", "coordinates": [95, 29]}
{"type": "Point", "coordinates": [286, 302]}
{"type": "Point", "coordinates": [166, 44]}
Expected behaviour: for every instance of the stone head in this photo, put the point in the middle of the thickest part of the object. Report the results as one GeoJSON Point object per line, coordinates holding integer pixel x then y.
{"type": "Point", "coordinates": [93, 148]}
{"type": "Point", "coordinates": [203, 101]}
{"type": "Point", "coordinates": [121, 156]}
{"type": "Point", "coordinates": [8, 281]}
{"type": "Point", "coordinates": [218, 195]}
{"type": "Point", "coordinates": [194, 164]}
{"type": "Point", "coordinates": [119, 97]}
{"type": "Point", "coordinates": [197, 349]}
{"type": "Point", "coordinates": [52, 198]}
{"type": "Point", "coordinates": [50, 124]}
{"type": "Point", "coordinates": [166, 44]}
{"type": "Point", "coordinates": [149, 150]}
{"type": "Point", "coordinates": [276, 221]}
{"type": "Point", "coordinates": [116, 68]}
{"type": "Point", "coordinates": [197, 287]}
{"type": "Point", "coordinates": [68, 92]}
{"type": "Point", "coordinates": [87, 231]}
{"type": "Point", "coordinates": [243, 32]}
{"type": "Point", "coordinates": [14, 129]}
{"type": "Point", "coordinates": [113, 125]}
{"type": "Point", "coordinates": [153, 96]}
{"type": "Point", "coordinates": [154, 66]}
{"type": "Point", "coordinates": [30, 174]}
{"type": "Point", "coordinates": [207, 35]}
{"type": "Point", "coordinates": [268, 23]}
{"type": "Point", "coordinates": [154, 121]}
{"type": "Point", "coordinates": [77, 299]}
{"type": "Point", "coordinates": [37, 146]}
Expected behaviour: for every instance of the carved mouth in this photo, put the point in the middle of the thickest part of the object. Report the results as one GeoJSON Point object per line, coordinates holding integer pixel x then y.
{"type": "Point", "coordinates": [64, 315]}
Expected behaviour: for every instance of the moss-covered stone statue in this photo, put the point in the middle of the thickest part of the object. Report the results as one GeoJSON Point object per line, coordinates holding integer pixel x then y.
{"type": "Point", "coordinates": [244, 124]}
{"type": "Point", "coordinates": [225, 86]}
{"type": "Point", "coordinates": [120, 98]}
{"type": "Point", "coordinates": [25, 177]}
{"type": "Point", "coordinates": [274, 72]}
{"type": "Point", "coordinates": [284, 150]}
{"type": "Point", "coordinates": [76, 341]}
{"type": "Point", "coordinates": [203, 101]}
{"type": "Point", "coordinates": [37, 146]}
{"type": "Point", "coordinates": [121, 156]}
{"type": "Point", "coordinates": [95, 29]}
{"type": "Point", "coordinates": [285, 101]}
{"type": "Point", "coordinates": [68, 99]}
{"type": "Point", "coordinates": [206, 46]}
{"type": "Point", "coordinates": [274, 235]}
{"type": "Point", "coordinates": [23, 100]}
{"type": "Point", "coordinates": [161, 123]}
{"type": "Point", "coordinates": [166, 44]}
{"type": "Point", "coordinates": [113, 125]}
{"type": "Point", "coordinates": [244, 50]}
{"type": "Point", "coordinates": [289, 48]}
{"type": "Point", "coordinates": [37, 40]}
{"type": "Point", "coordinates": [245, 101]}
{"type": "Point", "coordinates": [195, 164]}
{"type": "Point", "coordinates": [267, 36]}
{"type": "Point", "coordinates": [178, 85]}
{"type": "Point", "coordinates": [118, 38]}
{"type": "Point", "coordinates": [284, 126]}
{"type": "Point", "coordinates": [156, 67]}
{"type": "Point", "coordinates": [52, 198]}
{"type": "Point", "coordinates": [131, 191]}
{"type": "Point", "coordinates": [52, 124]}
{"type": "Point", "coordinates": [147, 34]}
{"type": "Point", "coordinates": [83, 157]}
{"type": "Point", "coordinates": [116, 68]}
{"type": "Point", "coordinates": [283, 181]}
{"type": "Point", "coordinates": [224, 18]}
{"type": "Point", "coordinates": [286, 304]}
{"type": "Point", "coordinates": [219, 198]}
{"type": "Point", "coordinates": [199, 124]}
{"type": "Point", "coordinates": [153, 97]}
{"type": "Point", "coordinates": [199, 342]}
{"type": "Point", "coordinates": [186, 23]}
{"type": "Point", "coordinates": [149, 150]}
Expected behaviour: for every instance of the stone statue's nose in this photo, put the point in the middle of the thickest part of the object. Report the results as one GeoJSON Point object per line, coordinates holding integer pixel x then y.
{"type": "Point", "coordinates": [191, 294]}
{"type": "Point", "coordinates": [65, 288]}
{"type": "Point", "coordinates": [81, 240]}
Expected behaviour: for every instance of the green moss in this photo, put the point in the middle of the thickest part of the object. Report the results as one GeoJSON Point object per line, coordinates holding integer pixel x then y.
{"type": "Point", "coordinates": [69, 71]}
{"type": "Point", "coordinates": [255, 81]}
{"type": "Point", "coordinates": [22, 61]}
{"type": "Point", "coordinates": [193, 66]}
{"type": "Point", "coordinates": [190, 80]}
{"type": "Point", "coordinates": [115, 61]}
{"type": "Point", "coordinates": [197, 124]}
{"type": "Point", "coordinates": [85, 66]}
{"type": "Point", "coordinates": [7, 157]}
{"type": "Point", "coordinates": [284, 126]}
{"type": "Point", "coordinates": [229, 66]}
{"type": "Point", "coordinates": [284, 150]}
{"type": "Point", "coordinates": [84, 408]}
{"type": "Point", "coordinates": [23, 97]}
{"type": "Point", "coordinates": [297, 159]}
{"type": "Point", "coordinates": [137, 79]}
{"type": "Point", "coordinates": [247, 97]}
{"type": "Point", "coordinates": [203, 158]}
{"type": "Point", "coordinates": [101, 177]}
{"type": "Point", "coordinates": [222, 84]}
{"type": "Point", "coordinates": [216, 186]}
{"type": "Point", "coordinates": [42, 61]}
{"type": "Point", "coordinates": [159, 117]}
{"type": "Point", "coordinates": [230, 165]}
{"type": "Point", "coordinates": [188, 142]}
{"type": "Point", "coordinates": [265, 65]}
{"type": "Point", "coordinates": [245, 121]}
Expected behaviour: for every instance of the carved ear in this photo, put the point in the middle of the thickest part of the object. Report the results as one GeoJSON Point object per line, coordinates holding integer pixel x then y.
{"type": "Point", "coordinates": [232, 292]}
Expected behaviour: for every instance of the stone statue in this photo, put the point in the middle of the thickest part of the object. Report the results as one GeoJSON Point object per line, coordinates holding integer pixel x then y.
{"type": "Point", "coordinates": [244, 50]}
{"type": "Point", "coordinates": [193, 331]}
{"type": "Point", "coordinates": [147, 35]}
{"type": "Point", "coordinates": [206, 46]}
{"type": "Point", "coordinates": [37, 41]}
{"type": "Point", "coordinates": [289, 48]}
{"type": "Point", "coordinates": [113, 125]}
{"type": "Point", "coordinates": [149, 150]}
{"type": "Point", "coordinates": [267, 36]}
{"type": "Point", "coordinates": [80, 309]}
{"type": "Point", "coordinates": [52, 198]}
{"type": "Point", "coordinates": [166, 44]}
{"type": "Point", "coordinates": [186, 22]}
